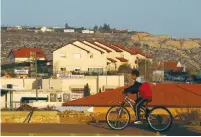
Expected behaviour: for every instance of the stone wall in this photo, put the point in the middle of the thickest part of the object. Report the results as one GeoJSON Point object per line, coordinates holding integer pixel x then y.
{"type": "Point", "coordinates": [71, 117]}
{"type": "Point", "coordinates": [37, 117]}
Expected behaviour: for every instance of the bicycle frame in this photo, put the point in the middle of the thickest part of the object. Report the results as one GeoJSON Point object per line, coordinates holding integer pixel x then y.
{"type": "Point", "coordinates": [130, 101]}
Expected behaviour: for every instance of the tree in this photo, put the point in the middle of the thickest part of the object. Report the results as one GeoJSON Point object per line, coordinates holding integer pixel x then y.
{"type": "Point", "coordinates": [125, 68]}
{"type": "Point", "coordinates": [100, 90]}
{"type": "Point", "coordinates": [86, 90]}
{"type": "Point", "coordinates": [66, 26]}
{"type": "Point", "coordinates": [106, 27]}
{"type": "Point", "coordinates": [95, 27]}
{"type": "Point", "coordinates": [145, 69]}
{"type": "Point", "coordinates": [100, 28]}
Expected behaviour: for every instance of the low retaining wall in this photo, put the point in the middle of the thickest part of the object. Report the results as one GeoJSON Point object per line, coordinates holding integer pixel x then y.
{"type": "Point", "coordinates": [173, 111]}
{"type": "Point", "coordinates": [37, 117]}
{"type": "Point", "coordinates": [70, 117]}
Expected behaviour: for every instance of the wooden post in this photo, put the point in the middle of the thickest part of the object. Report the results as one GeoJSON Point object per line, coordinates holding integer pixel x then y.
{"type": "Point", "coordinates": [6, 100]}
{"type": "Point", "coordinates": [11, 100]}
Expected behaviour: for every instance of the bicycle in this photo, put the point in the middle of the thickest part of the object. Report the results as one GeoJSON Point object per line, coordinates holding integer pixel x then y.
{"type": "Point", "coordinates": [155, 118]}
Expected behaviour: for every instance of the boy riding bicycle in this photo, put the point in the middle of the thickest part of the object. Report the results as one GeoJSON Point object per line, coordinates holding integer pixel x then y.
{"type": "Point", "coordinates": [141, 87]}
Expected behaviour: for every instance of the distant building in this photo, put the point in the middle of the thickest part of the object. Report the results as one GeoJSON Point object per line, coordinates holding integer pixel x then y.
{"type": "Point", "coordinates": [69, 30]}
{"type": "Point", "coordinates": [87, 31]}
{"type": "Point", "coordinates": [19, 27]}
{"type": "Point", "coordinates": [119, 31]}
{"type": "Point", "coordinates": [43, 29]}
{"type": "Point", "coordinates": [172, 66]}
{"type": "Point", "coordinates": [24, 55]}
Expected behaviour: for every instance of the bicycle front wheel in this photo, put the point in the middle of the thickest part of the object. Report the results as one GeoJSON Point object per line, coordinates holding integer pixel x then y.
{"type": "Point", "coordinates": [117, 117]}
{"type": "Point", "coordinates": [159, 119]}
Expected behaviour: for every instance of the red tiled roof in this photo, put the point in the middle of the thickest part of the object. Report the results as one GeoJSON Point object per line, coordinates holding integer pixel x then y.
{"type": "Point", "coordinates": [168, 95]}
{"type": "Point", "coordinates": [112, 60]}
{"type": "Point", "coordinates": [168, 65]}
{"type": "Point", "coordinates": [91, 47]}
{"type": "Point", "coordinates": [122, 59]}
{"type": "Point", "coordinates": [25, 52]}
{"type": "Point", "coordinates": [148, 55]}
{"type": "Point", "coordinates": [100, 46]}
{"type": "Point", "coordinates": [125, 49]}
{"type": "Point", "coordinates": [178, 69]}
{"type": "Point", "coordinates": [109, 45]}
{"type": "Point", "coordinates": [138, 51]}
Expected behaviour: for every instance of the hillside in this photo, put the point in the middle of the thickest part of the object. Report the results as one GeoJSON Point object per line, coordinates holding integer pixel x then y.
{"type": "Point", "coordinates": [161, 47]}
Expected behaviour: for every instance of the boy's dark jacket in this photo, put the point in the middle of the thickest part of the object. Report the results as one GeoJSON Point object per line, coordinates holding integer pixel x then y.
{"type": "Point", "coordinates": [140, 86]}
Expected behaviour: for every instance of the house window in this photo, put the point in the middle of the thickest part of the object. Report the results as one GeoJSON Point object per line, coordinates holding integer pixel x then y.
{"type": "Point", "coordinates": [77, 69]}
{"type": "Point", "coordinates": [77, 90]}
{"type": "Point", "coordinates": [76, 55]}
{"type": "Point", "coordinates": [37, 53]}
{"type": "Point", "coordinates": [63, 55]}
{"type": "Point", "coordinates": [63, 69]}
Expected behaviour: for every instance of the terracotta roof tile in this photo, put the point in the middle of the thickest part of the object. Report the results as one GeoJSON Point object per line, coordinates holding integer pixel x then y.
{"type": "Point", "coordinates": [112, 60]}
{"type": "Point", "coordinates": [168, 95]}
{"type": "Point", "coordinates": [125, 49]}
{"type": "Point", "coordinates": [25, 52]}
{"type": "Point", "coordinates": [99, 46]}
{"type": "Point", "coordinates": [138, 51]}
{"type": "Point", "coordinates": [109, 45]}
{"type": "Point", "coordinates": [122, 59]}
{"type": "Point", "coordinates": [168, 66]}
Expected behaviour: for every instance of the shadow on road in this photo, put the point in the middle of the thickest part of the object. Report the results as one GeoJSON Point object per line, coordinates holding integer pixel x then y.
{"type": "Point", "coordinates": [175, 130]}
{"type": "Point", "coordinates": [99, 126]}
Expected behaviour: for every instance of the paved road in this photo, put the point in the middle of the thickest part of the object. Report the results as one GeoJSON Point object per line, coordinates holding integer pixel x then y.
{"type": "Point", "coordinates": [85, 129]}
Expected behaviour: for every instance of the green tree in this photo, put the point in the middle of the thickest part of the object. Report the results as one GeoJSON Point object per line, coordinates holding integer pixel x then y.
{"type": "Point", "coordinates": [66, 26]}
{"type": "Point", "coordinates": [125, 68]}
{"type": "Point", "coordinates": [100, 90]}
{"type": "Point", "coordinates": [95, 27]}
{"type": "Point", "coordinates": [145, 69]}
{"type": "Point", "coordinates": [106, 27]}
{"type": "Point", "coordinates": [86, 90]}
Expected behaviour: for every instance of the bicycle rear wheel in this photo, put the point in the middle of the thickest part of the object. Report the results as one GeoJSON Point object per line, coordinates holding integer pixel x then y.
{"type": "Point", "coordinates": [117, 117]}
{"type": "Point", "coordinates": [159, 119]}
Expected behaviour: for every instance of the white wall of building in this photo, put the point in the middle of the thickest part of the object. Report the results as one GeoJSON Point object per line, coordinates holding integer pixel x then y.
{"type": "Point", "coordinates": [69, 30]}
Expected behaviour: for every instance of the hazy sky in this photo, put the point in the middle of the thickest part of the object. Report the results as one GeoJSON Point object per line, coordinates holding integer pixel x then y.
{"type": "Point", "coordinates": [177, 18]}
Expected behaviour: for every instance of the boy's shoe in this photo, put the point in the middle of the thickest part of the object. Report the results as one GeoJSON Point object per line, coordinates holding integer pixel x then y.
{"type": "Point", "coordinates": [138, 122]}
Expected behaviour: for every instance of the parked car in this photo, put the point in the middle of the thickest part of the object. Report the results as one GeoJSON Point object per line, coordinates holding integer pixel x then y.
{"type": "Point", "coordinates": [178, 78]}
{"type": "Point", "coordinates": [190, 81]}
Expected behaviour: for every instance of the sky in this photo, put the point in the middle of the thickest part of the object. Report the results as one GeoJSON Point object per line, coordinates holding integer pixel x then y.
{"type": "Point", "coordinates": [176, 18]}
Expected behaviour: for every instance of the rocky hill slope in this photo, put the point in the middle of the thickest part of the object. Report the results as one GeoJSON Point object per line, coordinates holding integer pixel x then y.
{"type": "Point", "coordinates": [187, 51]}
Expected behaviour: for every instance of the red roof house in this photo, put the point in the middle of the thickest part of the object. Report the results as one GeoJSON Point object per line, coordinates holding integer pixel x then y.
{"type": "Point", "coordinates": [25, 53]}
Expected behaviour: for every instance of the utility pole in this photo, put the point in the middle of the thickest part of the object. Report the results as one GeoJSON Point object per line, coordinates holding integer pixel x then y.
{"type": "Point", "coordinates": [35, 66]}
{"type": "Point", "coordinates": [36, 75]}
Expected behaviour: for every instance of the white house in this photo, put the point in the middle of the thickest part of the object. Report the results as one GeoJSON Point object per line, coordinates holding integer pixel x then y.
{"type": "Point", "coordinates": [69, 30]}
{"type": "Point", "coordinates": [87, 31]}
{"type": "Point", "coordinates": [43, 29]}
